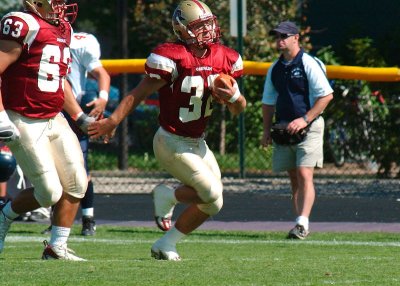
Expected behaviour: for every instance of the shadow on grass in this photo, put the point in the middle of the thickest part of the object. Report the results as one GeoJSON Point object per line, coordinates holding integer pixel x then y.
{"type": "Point", "coordinates": [22, 231]}
{"type": "Point", "coordinates": [133, 231]}
{"type": "Point", "coordinates": [201, 233]}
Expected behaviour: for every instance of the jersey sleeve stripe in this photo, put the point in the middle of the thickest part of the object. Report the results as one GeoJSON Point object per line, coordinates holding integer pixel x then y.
{"type": "Point", "coordinates": [238, 66]}
{"type": "Point", "coordinates": [158, 62]}
{"type": "Point", "coordinates": [157, 65]}
{"type": "Point", "coordinates": [32, 24]}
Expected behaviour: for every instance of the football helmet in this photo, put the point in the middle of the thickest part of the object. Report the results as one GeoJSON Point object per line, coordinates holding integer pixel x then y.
{"type": "Point", "coordinates": [53, 11]}
{"type": "Point", "coordinates": [194, 24]}
{"type": "Point", "coordinates": [8, 164]}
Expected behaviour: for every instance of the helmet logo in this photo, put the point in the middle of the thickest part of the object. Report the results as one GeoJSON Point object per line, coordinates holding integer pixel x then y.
{"type": "Point", "coordinates": [178, 15]}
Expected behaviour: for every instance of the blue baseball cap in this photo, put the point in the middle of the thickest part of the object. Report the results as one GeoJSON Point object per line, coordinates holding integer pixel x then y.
{"type": "Point", "coordinates": [285, 27]}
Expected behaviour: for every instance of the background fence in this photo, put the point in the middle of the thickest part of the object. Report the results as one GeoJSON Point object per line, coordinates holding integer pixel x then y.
{"type": "Point", "coordinates": [360, 138]}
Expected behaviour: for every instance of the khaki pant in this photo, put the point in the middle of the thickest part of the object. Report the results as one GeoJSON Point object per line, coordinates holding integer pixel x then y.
{"type": "Point", "coordinates": [308, 153]}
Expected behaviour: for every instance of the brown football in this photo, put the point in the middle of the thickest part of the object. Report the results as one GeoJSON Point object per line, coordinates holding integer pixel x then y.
{"type": "Point", "coordinates": [219, 82]}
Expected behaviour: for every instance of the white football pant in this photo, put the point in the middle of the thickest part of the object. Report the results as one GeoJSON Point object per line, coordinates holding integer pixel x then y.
{"type": "Point", "coordinates": [50, 156]}
{"type": "Point", "coordinates": [191, 161]}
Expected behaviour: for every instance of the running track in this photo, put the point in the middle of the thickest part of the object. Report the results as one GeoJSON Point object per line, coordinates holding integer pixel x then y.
{"type": "Point", "coordinates": [260, 212]}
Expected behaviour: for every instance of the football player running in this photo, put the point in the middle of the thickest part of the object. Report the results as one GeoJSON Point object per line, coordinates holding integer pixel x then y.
{"type": "Point", "coordinates": [183, 73]}
{"type": "Point", "coordinates": [85, 52]}
{"type": "Point", "coordinates": [34, 59]}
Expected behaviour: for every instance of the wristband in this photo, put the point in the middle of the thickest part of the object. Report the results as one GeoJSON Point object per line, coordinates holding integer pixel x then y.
{"type": "Point", "coordinates": [236, 96]}
{"type": "Point", "coordinates": [76, 116]}
{"type": "Point", "coordinates": [103, 94]}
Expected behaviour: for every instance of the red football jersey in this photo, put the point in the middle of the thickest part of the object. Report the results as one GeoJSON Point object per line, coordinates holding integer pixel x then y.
{"type": "Point", "coordinates": [33, 85]}
{"type": "Point", "coordinates": [185, 101]}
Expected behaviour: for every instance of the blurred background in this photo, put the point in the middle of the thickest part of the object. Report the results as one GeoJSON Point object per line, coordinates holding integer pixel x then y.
{"type": "Point", "coordinates": [362, 123]}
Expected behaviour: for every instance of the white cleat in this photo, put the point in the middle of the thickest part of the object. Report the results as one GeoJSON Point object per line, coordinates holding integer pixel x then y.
{"type": "Point", "coordinates": [4, 227]}
{"type": "Point", "coordinates": [62, 252]}
{"type": "Point", "coordinates": [164, 252]}
{"type": "Point", "coordinates": [163, 206]}
{"type": "Point", "coordinates": [40, 215]}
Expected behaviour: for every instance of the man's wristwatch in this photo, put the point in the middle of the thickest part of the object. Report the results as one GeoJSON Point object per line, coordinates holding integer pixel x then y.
{"type": "Point", "coordinates": [306, 119]}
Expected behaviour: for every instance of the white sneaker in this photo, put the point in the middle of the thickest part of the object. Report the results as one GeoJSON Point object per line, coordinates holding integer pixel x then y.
{"type": "Point", "coordinates": [164, 252]}
{"type": "Point", "coordinates": [163, 206]}
{"type": "Point", "coordinates": [40, 215]}
{"type": "Point", "coordinates": [4, 227]}
{"type": "Point", "coordinates": [298, 232]}
{"type": "Point", "coordinates": [59, 252]}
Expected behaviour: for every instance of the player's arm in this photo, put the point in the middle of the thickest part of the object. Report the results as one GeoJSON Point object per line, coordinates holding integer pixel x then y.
{"type": "Point", "coordinates": [103, 80]}
{"type": "Point", "coordinates": [10, 52]}
{"type": "Point", "coordinates": [238, 106]}
{"type": "Point", "coordinates": [72, 107]}
{"type": "Point", "coordinates": [107, 126]}
{"type": "Point", "coordinates": [232, 97]}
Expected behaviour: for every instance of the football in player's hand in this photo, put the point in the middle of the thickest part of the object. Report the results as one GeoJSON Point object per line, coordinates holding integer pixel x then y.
{"type": "Point", "coordinates": [224, 81]}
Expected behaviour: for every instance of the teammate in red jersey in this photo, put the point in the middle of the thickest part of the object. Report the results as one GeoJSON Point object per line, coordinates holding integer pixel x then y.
{"type": "Point", "coordinates": [34, 60]}
{"type": "Point", "coordinates": [183, 73]}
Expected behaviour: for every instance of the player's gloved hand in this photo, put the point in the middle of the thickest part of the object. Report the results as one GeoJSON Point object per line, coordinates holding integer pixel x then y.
{"type": "Point", "coordinates": [83, 122]}
{"type": "Point", "coordinates": [8, 131]}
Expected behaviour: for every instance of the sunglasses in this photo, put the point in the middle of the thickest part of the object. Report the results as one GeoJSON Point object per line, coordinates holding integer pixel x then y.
{"type": "Point", "coordinates": [283, 36]}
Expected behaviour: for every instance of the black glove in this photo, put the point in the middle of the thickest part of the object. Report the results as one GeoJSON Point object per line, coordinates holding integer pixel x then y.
{"type": "Point", "coordinates": [83, 122]}
{"type": "Point", "coordinates": [8, 131]}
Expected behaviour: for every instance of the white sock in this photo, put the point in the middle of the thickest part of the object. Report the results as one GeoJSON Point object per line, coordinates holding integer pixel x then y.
{"type": "Point", "coordinates": [88, 212]}
{"type": "Point", "coordinates": [169, 194]}
{"type": "Point", "coordinates": [172, 236]}
{"type": "Point", "coordinates": [8, 212]}
{"type": "Point", "coordinates": [302, 220]}
{"type": "Point", "coordinates": [59, 235]}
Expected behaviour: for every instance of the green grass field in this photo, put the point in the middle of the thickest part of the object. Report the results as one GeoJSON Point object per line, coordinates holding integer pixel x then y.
{"type": "Point", "coordinates": [121, 256]}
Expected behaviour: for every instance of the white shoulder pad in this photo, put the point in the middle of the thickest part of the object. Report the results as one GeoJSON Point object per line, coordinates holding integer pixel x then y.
{"type": "Point", "coordinates": [32, 23]}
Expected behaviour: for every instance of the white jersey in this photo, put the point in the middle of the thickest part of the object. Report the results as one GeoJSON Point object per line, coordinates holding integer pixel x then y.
{"type": "Point", "coordinates": [85, 51]}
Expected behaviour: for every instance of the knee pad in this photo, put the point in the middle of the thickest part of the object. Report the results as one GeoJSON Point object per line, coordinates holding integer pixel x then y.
{"type": "Point", "coordinates": [212, 208]}
{"type": "Point", "coordinates": [47, 191]}
{"type": "Point", "coordinates": [49, 200]}
{"type": "Point", "coordinates": [209, 193]}
{"type": "Point", "coordinates": [77, 183]}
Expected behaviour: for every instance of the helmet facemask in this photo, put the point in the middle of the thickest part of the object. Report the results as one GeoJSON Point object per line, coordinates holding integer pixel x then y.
{"type": "Point", "coordinates": [203, 32]}
{"type": "Point", "coordinates": [53, 11]}
{"type": "Point", "coordinates": [70, 12]}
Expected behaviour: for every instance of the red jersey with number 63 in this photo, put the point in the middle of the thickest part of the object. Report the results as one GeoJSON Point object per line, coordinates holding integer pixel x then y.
{"type": "Point", "coordinates": [186, 101]}
{"type": "Point", "coordinates": [33, 85]}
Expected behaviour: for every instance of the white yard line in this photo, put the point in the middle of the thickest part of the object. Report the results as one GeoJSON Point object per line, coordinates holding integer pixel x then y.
{"type": "Point", "coordinates": [13, 238]}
